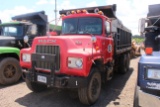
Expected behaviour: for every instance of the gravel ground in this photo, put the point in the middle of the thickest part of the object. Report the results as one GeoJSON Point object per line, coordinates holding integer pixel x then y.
{"type": "Point", "coordinates": [117, 93]}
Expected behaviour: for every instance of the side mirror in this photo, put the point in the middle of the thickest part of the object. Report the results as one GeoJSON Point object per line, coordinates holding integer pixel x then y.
{"type": "Point", "coordinates": [33, 29]}
{"type": "Point", "coordinates": [108, 28]}
{"type": "Point", "coordinates": [141, 26]}
{"type": "Point", "coordinates": [26, 39]}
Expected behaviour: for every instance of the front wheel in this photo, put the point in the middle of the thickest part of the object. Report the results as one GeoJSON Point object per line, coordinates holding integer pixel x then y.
{"type": "Point", "coordinates": [89, 95]}
{"type": "Point", "coordinates": [10, 71]}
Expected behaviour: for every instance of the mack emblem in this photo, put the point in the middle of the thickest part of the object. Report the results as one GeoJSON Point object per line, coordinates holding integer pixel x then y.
{"type": "Point", "coordinates": [78, 43]}
{"type": "Point", "coordinates": [46, 41]}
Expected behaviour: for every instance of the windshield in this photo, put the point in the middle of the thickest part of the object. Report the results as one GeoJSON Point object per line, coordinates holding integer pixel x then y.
{"type": "Point", "coordinates": [89, 25]}
{"type": "Point", "coordinates": [12, 30]}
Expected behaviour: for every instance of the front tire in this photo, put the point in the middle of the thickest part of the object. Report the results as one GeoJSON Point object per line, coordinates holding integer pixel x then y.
{"type": "Point", "coordinates": [35, 87]}
{"type": "Point", "coordinates": [89, 95]}
{"type": "Point", "coordinates": [10, 71]}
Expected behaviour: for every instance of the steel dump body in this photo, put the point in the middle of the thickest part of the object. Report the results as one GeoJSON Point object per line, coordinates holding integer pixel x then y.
{"type": "Point", "coordinates": [38, 18]}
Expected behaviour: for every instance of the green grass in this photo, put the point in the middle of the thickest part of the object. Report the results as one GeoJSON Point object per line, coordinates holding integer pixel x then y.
{"type": "Point", "coordinates": [55, 27]}
{"type": "Point", "coordinates": [138, 40]}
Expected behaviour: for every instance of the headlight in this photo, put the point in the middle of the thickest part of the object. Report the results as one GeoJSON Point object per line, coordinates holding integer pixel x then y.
{"type": "Point", "coordinates": [75, 62]}
{"type": "Point", "coordinates": [153, 74]}
{"type": "Point", "coordinates": [79, 63]}
{"type": "Point", "coordinates": [26, 57]}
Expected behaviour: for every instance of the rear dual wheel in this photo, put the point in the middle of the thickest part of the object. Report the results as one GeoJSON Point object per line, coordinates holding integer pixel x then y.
{"type": "Point", "coordinates": [125, 63]}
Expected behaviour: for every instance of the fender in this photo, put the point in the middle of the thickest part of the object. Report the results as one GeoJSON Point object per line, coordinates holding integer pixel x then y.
{"type": "Point", "coordinates": [6, 50]}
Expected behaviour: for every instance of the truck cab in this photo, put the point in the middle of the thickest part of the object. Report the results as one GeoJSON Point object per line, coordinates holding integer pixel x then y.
{"type": "Point", "coordinates": [15, 35]}
{"type": "Point", "coordinates": [22, 27]}
{"type": "Point", "coordinates": [148, 79]}
{"type": "Point", "coordinates": [82, 57]}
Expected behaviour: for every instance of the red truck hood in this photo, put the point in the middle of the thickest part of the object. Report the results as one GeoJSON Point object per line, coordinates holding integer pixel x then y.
{"type": "Point", "coordinates": [72, 43]}
{"type": "Point", "coordinates": [70, 46]}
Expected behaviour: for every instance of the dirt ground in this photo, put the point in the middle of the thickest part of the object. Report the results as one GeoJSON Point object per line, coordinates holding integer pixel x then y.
{"type": "Point", "coordinates": [118, 93]}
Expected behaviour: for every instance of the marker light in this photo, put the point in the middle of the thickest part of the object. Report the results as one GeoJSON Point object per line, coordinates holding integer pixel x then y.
{"type": "Point", "coordinates": [96, 10]}
{"type": "Point", "coordinates": [84, 11]}
{"type": "Point", "coordinates": [78, 11]}
{"type": "Point", "coordinates": [73, 12]}
{"type": "Point", "coordinates": [100, 12]}
{"type": "Point", "coordinates": [97, 48]}
{"type": "Point", "coordinates": [62, 15]}
{"type": "Point", "coordinates": [149, 50]}
{"type": "Point", "coordinates": [68, 13]}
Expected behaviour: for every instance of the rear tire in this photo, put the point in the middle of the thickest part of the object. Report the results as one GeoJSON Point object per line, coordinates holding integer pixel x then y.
{"type": "Point", "coordinates": [35, 87]}
{"type": "Point", "coordinates": [89, 95]}
{"type": "Point", "coordinates": [125, 61]}
{"type": "Point", "coordinates": [10, 71]}
{"type": "Point", "coordinates": [128, 61]}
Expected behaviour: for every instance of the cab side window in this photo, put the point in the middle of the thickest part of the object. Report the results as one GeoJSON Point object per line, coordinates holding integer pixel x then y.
{"type": "Point", "coordinates": [108, 28]}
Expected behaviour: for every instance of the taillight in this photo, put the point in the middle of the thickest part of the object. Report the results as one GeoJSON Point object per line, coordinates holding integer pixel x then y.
{"type": "Point", "coordinates": [148, 50]}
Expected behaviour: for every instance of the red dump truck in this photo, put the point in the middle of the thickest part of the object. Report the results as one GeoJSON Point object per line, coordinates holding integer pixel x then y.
{"type": "Point", "coordinates": [92, 45]}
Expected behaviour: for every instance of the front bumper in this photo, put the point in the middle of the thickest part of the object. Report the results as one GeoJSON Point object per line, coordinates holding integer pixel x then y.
{"type": "Point", "coordinates": [53, 80]}
{"type": "Point", "coordinates": [148, 98]}
{"type": "Point", "coordinates": [48, 76]}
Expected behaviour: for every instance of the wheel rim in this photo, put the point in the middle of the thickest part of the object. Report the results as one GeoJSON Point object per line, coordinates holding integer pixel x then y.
{"type": "Point", "coordinates": [9, 71]}
{"type": "Point", "coordinates": [94, 87]}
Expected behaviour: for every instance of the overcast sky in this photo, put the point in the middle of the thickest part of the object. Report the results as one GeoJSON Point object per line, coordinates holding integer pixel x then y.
{"type": "Point", "coordinates": [128, 11]}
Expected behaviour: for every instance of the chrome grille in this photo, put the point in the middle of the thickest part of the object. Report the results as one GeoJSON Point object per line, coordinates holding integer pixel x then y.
{"type": "Point", "coordinates": [48, 49]}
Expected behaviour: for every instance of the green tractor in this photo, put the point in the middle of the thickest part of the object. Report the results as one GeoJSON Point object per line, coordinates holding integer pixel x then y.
{"type": "Point", "coordinates": [14, 36]}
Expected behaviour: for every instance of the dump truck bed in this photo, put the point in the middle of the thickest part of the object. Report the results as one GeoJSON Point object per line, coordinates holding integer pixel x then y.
{"type": "Point", "coordinates": [154, 14]}
{"type": "Point", "coordinates": [122, 37]}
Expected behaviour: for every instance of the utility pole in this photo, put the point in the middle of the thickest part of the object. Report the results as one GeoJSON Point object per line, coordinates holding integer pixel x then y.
{"type": "Point", "coordinates": [55, 11]}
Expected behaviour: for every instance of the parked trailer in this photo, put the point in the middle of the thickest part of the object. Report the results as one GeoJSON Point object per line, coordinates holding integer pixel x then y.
{"type": "Point", "coordinates": [82, 57]}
